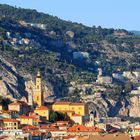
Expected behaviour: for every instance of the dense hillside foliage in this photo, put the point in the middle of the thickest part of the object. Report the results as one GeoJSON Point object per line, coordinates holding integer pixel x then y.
{"type": "Point", "coordinates": [53, 48]}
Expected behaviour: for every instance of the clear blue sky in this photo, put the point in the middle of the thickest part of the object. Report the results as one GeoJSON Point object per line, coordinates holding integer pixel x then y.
{"type": "Point", "coordinates": [106, 13]}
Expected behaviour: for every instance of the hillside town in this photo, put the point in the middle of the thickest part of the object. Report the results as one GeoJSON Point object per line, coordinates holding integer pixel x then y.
{"type": "Point", "coordinates": [62, 80]}
{"type": "Point", "coordinates": [59, 120]}
{"type": "Point", "coordinates": [53, 119]}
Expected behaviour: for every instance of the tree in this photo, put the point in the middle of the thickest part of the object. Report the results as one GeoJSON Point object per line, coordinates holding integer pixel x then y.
{"type": "Point", "coordinates": [128, 87]}
{"type": "Point", "coordinates": [61, 116]}
{"type": "Point", "coordinates": [56, 116]}
{"type": "Point", "coordinates": [53, 117]}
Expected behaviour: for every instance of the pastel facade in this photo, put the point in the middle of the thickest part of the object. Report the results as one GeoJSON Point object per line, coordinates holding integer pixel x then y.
{"type": "Point", "coordinates": [38, 99]}
{"type": "Point", "coordinates": [28, 120]}
{"type": "Point", "coordinates": [19, 106]}
{"type": "Point", "coordinates": [78, 108]}
{"type": "Point", "coordinates": [10, 124]}
{"type": "Point", "coordinates": [58, 133]}
{"type": "Point", "coordinates": [75, 111]}
{"type": "Point", "coordinates": [43, 112]}
{"type": "Point", "coordinates": [78, 119]}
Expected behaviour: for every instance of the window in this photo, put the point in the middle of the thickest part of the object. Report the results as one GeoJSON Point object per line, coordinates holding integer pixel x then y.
{"type": "Point", "coordinates": [37, 87]}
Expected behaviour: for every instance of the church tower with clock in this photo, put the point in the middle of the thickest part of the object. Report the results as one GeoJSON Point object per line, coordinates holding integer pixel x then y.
{"type": "Point", "coordinates": [38, 97]}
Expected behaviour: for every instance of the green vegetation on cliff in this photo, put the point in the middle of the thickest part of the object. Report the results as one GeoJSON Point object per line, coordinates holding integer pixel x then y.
{"type": "Point", "coordinates": [52, 48]}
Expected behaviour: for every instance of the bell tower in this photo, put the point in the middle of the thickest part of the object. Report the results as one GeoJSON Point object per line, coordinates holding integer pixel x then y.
{"type": "Point", "coordinates": [38, 90]}
{"type": "Point", "coordinates": [91, 119]}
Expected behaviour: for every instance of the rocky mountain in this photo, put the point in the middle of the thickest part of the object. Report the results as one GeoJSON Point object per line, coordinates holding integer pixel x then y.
{"type": "Point", "coordinates": [136, 32]}
{"type": "Point", "coordinates": [65, 52]}
{"type": "Point", "coordinates": [15, 85]}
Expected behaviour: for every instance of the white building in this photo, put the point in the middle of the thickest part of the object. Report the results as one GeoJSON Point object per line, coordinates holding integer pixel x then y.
{"type": "Point", "coordinates": [80, 55]}
{"type": "Point", "coordinates": [103, 79]}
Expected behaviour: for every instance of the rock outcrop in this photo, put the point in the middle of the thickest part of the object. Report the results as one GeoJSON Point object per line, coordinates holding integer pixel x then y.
{"type": "Point", "coordinates": [14, 85]}
{"type": "Point", "coordinates": [17, 86]}
{"type": "Point", "coordinates": [134, 110]}
{"type": "Point", "coordinates": [124, 107]}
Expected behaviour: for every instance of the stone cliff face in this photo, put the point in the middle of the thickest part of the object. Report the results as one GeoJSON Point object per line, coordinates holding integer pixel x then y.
{"type": "Point", "coordinates": [125, 107]}
{"type": "Point", "coordinates": [134, 110]}
{"type": "Point", "coordinates": [14, 85]}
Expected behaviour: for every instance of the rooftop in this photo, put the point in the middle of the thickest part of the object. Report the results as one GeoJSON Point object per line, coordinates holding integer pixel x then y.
{"type": "Point", "coordinates": [82, 128]}
{"type": "Point", "coordinates": [26, 117]}
{"type": "Point", "coordinates": [9, 120]}
{"type": "Point", "coordinates": [8, 111]}
{"type": "Point", "coordinates": [29, 127]}
{"type": "Point", "coordinates": [17, 102]}
{"type": "Point", "coordinates": [67, 103]}
{"type": "Point", "coordinates": [137, 138]}
{"type": "Point", "coordinates": [109, 137]}
{"type": "Point", "coordinates": [61, 103]}
{"type": "Point", "coordinates": [42, 108]}
{"type": "Point", "coordinates": [76, 115]}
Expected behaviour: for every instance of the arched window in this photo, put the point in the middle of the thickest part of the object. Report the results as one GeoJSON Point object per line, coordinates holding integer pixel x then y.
{"type": "Point", "coordinates": [37, 87]}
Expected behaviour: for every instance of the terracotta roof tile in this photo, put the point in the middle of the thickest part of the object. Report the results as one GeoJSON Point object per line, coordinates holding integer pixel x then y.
{"type": "Point", "coordinates": [42, 108]}
{"type": "Point", "coordinates": [67, 103]}
{"type": "Point", "coordinates": [9, 120]}
{"type": "Point", "coordinates": [137, 138]}
{"type": "Point", "coordinates": [44, 127]}
{"type": "Point", "coordinates": [15, 103]}
{"type": "Point", "coordinates": [61, 103]}
{"type": "Point", "coordinates": [8, 111]}
{"type": "Point", "coordinates": [82, 128]}
{"type": "Point", "coordinates": [77, 115]}
{"type": "Point", "coordinates": [26, 117]}
{"type": "Point", "coordinates": [66, 111]}
{"type": "Point", "coordinates": [19, 103]}
{"type": "Point", "coordinates": [30, 127]}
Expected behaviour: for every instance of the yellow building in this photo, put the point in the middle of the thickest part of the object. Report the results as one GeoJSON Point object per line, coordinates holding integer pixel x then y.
{"type": "Point", "coordinates": [61, 106]}
{"type": "Point", "coordinates": [10, 124]}
{"type": "Point", "coordinates": [43, 112]}
{"type": "Point", "coordinates": [78, 108]}
{"type": "Point", "coordinates": [38, 90]}
{"type": "Point", "coordinates": [70, 109]}
{"type": "Point", "coordinates": [28, 120]}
